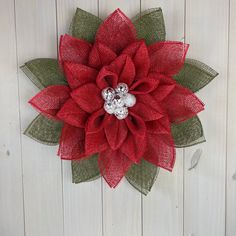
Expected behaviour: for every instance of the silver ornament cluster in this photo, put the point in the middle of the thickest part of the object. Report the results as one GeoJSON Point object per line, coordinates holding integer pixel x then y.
{"type": "Point", "coordinates": [118, 100]}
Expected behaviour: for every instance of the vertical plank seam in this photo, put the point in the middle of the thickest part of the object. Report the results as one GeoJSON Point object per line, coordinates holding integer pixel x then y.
{"type": "Point", "coordinates": [62, 185]}
{"type": "Point", "coordinates": [227, 118]}
{"type": "Point", "coordinates": [19, 116]}
{"type": "Point", "coordinates": [102, 189]}
{"type": "Point", "coordinates": [141, 195]}
{"type": "Point", "coordinates": [183, 168]}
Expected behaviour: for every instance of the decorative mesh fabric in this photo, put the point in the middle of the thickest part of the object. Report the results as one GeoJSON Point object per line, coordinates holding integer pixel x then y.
{"type": "Point", "coordinates": [50, 100]}
{"type": "Point", "coordinates": [44, 130]}
{"type": "Point", "coordinates": [116, 32]}
{"type": "Point", "coordinates": [44, 72]}
{"type": "Point", "coordinates": [167, 57]}
{"type": "Point", "coordinates": [85, 170]}
{"type": "Point", "coordinates": [71, 143]}
{"type": "Point", "coordinates": [113, 166]}
{"type": "Point", "coordinates": [195, 75]}
{"type": "Point", "coordinates": [73, 50]}
{"type": "Point", "coordinates": [84, 25]}
{"type": "Point", "coordinates": [150, 25]}
{"type": "Point", "coordinates": [142, 176]}
{"type": "Point", "coordinates": [160, 150]}
{"type": "Point", "coordinates": [117, 55]}
{"type": "Point", "coordinates": [181, 104]}
{"type": "Point", "coordinates": [188, 133]}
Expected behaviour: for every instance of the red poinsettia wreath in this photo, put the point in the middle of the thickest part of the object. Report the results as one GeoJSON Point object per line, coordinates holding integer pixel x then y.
{"type": "Point", "coordinates": [120, 100]}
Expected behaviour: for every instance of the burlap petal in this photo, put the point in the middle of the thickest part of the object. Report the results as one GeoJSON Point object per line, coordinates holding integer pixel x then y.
{"type": "Point", "coordinates": [84, 25]}
{"type": "Point", "coordinates": [150, 25]}
{"type": "Point", "coordinates": [188, 133]}
{"type": "Point", "coordinates": [44, 72]}
{"type": "Point", "coordinates": [44, 130]}
{"type": "Point", "coordinates": [85, 170]}
{"type": "Point", "coordinates": [195, 75]}
{"type": "Point", "coordinates": [142, 176]}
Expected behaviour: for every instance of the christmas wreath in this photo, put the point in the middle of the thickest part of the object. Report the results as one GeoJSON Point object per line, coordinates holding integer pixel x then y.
{"type": "Point", "coordinates": [119, 99]}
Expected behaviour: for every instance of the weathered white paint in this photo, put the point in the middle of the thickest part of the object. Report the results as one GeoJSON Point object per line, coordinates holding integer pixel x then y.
{"type": "Point", "coordinates": [204, 195]}
{"type": "Point", "coordinates": [36, 194]}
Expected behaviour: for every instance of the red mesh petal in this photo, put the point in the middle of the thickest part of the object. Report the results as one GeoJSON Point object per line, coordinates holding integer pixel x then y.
{"type": "Point", "coordinates": [88, 97]}
{"type": "Point", "coordinates": [167, 57]}
{"type": "Point", "coordinates": [95, 136]}
{"type": "Point", "coordinates": [134, 145]}
{"type": "Point", "coordinates": [73, 50]}
{"type": "Point", "coordinates": [49, 100]}
{"type": "Point", "coordinates": [106, 78]}
{"type": "Point", "coordinates": [124, 68]}
{"type": "Point", "coordinates": [96, 121]}
{"type": "Point", "coordinates": [116, 132]}
{"type": "Point", "coordinates": [116, 32]}
{"type": "Point", "coordinates": [113, 166]}
{"type": "Point", "coordinates": [139, 53]}
{"type": "Point", "coordinates": [78, 74]}
{"type": "Point", "coordinates": [165, 86]}
{"type": "Point", "coordinates": [95, 142]}
{"type": "Point", "coordinates": [72, 114]}
{"type": "Point", "coordinates": [100, 56]}
{"type": "Point", "coordinates": [160, 126]}
{"type": "Point", "coordinates": [181, 104]}
{"type": "Point", "coordinates": [160, 150]}
{"type": "Point", "coordinates": [135, 124]}
{"type": "Point", "coordinates": [144, 86]}
{"type": "Point", "coordinates": [147, 108]}
{"type": "Point", "coordinates": [71, 143]}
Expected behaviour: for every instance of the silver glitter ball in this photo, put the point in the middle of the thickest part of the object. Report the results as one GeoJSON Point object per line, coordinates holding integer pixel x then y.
{"type": "Point", "coordinates": [108, 107]}
{"type": "Point", "coordinates": [129, 100]}
{"type": "Point", "coordinates": [118, 101]}
{"type": "Point", "coordinates": [122, 88]}
{"type": "Point", "coordinates": [121, 113]}
{"type": "Point", "coordinates": [108, 94]}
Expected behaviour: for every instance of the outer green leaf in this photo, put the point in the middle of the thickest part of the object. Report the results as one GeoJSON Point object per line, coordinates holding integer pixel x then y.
{"type": "Point", "coordinates": [150, 25]}
{"type": "Point", "coordinates": [44, 72]}
{"type": "Point", "coordinates": [84, 25]}
{"type": "Point", "coordinates": [142, 176]}
{"type": "Point", "coordinates": [195, 75]}
{"type": "Point", "coordinates": [44, 130]}
{"type": "Point", "coordinates": [188, 133]}
{"type": "Point", "coordinates": [85, 169]}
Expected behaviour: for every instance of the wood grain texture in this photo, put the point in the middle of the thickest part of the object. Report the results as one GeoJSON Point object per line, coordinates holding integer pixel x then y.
{"type": "Point", "coordinates": [36, 37]}
{"type": "Point", "coordinates": [11, 192]}
{"type": "Point", "coordinates": [164, 205]}
{"type": "Point", "coordinates": [82, 202]}
{"type": "Point", "coordinates": [231, 134]}
{"type": "Point", "coordinates": [121, 206]}
{"type": "Point", "coordinates": [204, 196]}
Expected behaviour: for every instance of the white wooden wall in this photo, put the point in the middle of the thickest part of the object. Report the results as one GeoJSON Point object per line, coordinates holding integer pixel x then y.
{"type": "Point", "coordinates": [37, 197]}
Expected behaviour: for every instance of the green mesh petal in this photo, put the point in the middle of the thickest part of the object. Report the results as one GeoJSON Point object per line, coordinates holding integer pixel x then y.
{"type": "Point", "coordinates": [142, 176]}
{"type": "Point", "coordinates": [150, 25]}
{"type": "Point", "coordinates": [44, 130]}
{"type": "Point", "coordinates": [84, 25]}
{"type": "Point", "coordinates": [195, 75]}
{"type": "Point", "coordinates": [188, 133]}
{"type": "Point", "coordinates": [85, 170]}
{"type": "Point", "coordinates": [44, 72]}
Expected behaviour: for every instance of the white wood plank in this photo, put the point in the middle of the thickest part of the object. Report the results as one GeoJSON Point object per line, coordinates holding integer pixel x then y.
{"type": "Point", "coordinates": [231, 134]}
{"type": "Point", "coordinates": [36, 37]}
{"type": "Point", "coordinates": [163, 207]}
{"type": "Point", "coordinates": [121, 206]}
{"type": "Point", "coordinates": [82, 202]}
{"type": "Point", "coordinates": [207, 33]}
{"type": "Point", "coordinates": [11, 193]}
